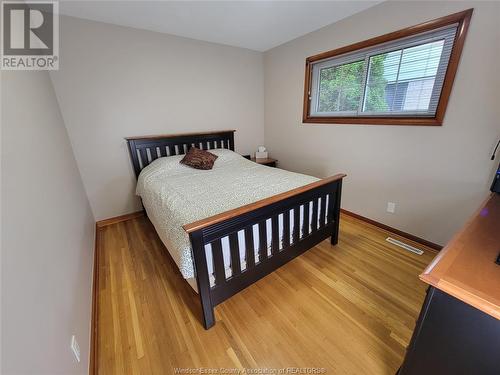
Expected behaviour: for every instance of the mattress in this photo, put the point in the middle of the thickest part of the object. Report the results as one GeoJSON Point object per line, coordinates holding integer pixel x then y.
{"type": "Point", "coordinates": [174, 195]}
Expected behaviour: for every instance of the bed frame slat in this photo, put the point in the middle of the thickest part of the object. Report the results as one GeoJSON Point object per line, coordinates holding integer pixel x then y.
{"type": "Point", "coordinates": [262, 241]}
{"type": "Point", "coordinates": [154, 153]}
{"type": "Point", "coordinates": [296, 224]}
{"type": "Point", "coordinates": [235, 254]}
{"type": "Point", "coordinates": [169, 150]}
{"type": "Point", "coordinates": [249, 248]}
{"type": "Point", "coordinates": [219, 269]}
{"type": "Point", "coordinates": [144, 157]}
{"type": "Point", "coordinates": [314, 217]}
{"type": "Point", "coordinates": [305, 220]}
{"type": "Point", "coordinates": [286, 229]}
{"type": "Point", "coordinates": [275, 238]}
{"type": "Point", "coordinates": [161, 152]}
{"type": "Point", "coordinates": [322, 212]}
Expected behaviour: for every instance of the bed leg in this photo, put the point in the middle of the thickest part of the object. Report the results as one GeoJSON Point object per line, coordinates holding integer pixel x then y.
{"type": "Point", "coordinates": [202, 278]}
{"type": "Point", "coordinates": [336, 214]}
{"type": "Point", "coordinates": [335, 236]}
{"type": "Point", "coordinates": [208, 313]}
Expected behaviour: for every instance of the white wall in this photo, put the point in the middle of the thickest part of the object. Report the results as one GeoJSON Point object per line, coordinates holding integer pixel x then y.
{"type": "Point", "coordinates": [436, 175]}
{"type": "Point", "coordinates": [47, 234]}
{"type": "Point", "coordinates": [115, 82]}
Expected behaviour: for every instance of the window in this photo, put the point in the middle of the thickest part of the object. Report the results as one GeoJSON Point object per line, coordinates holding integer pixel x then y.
{"type": "Point", "coordinates": [400, 78]}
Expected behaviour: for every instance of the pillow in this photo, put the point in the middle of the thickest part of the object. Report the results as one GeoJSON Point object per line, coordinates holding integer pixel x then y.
{"type": "Point", "coordinates": [199, 159]}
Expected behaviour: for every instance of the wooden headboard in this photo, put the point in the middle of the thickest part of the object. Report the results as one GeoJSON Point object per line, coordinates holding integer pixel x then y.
{"type": "Point", "coordinates": [143, 150]}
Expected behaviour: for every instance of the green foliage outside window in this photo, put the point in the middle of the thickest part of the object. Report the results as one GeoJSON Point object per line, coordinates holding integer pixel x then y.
{"type": "Point", "coordinates": [340, 87]}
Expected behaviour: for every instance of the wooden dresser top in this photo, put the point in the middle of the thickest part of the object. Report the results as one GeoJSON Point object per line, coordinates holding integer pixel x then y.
{"type": "Point", "coordinates": [466, 267]}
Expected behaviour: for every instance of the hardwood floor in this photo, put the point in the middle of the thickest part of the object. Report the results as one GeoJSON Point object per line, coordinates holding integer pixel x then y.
{"type": "Point", "coordinates": [349, 309]}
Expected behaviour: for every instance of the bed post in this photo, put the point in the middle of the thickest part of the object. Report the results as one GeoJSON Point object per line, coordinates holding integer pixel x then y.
{"type": "Point", "coordinates": [336, 214]}
{"type": "Point", "coordinates": [202, 278]}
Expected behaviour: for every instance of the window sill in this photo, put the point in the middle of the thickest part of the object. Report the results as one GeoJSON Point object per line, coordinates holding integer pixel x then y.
{"type": "Point", "coordinates": [408, 121]}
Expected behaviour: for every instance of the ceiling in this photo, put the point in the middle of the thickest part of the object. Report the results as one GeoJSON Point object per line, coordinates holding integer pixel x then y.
{"type": "Point", "coordinates": [257, 25]}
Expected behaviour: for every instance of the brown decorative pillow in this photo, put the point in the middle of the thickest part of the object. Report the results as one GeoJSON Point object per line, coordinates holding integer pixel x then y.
{"type": "Point", "coordinates": [199, 159]}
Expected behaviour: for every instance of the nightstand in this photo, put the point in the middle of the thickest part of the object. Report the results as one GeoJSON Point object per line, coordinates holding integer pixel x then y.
{"type": "Point", "coordinates": [270, 162]}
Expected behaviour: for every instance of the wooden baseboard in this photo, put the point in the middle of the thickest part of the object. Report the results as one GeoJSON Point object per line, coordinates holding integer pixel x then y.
{"type": "Point", "coordinates": [118, 219]}
{"type": "Point", "coordinates": [95, 288]}
{"type": "Point", "coordinates": [409, 236]}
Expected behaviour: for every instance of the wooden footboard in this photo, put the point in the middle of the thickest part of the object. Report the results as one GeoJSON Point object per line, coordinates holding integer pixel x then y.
{"type": "Point", "coordinates": [320, 220]}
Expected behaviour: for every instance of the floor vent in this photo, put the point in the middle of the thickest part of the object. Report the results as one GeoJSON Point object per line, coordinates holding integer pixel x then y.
{"type": "Point", "coordinates": [404, 245]}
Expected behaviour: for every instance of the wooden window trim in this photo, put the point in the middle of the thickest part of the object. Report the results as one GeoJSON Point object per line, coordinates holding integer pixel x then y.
{"type": "Point", "coordinates": [463, 20]}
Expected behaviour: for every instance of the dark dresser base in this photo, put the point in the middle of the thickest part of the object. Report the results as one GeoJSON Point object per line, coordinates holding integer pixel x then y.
{"type": "Point", "coordinates": [452, 337]}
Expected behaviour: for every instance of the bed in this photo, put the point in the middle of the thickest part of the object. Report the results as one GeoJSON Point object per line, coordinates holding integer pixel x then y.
{"type": "Point", "coordinates": [230, 226]}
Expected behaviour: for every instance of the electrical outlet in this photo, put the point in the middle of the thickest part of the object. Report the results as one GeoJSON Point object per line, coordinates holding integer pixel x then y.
{"type": "Point", "coordinates": [75, 348]}
{"type": "Point", "coordinates": [391, 207]}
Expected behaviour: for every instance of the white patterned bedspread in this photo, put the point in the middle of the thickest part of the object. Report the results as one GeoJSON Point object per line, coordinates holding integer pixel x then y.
{"type": "Point", "coordinates": [174, 194]}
